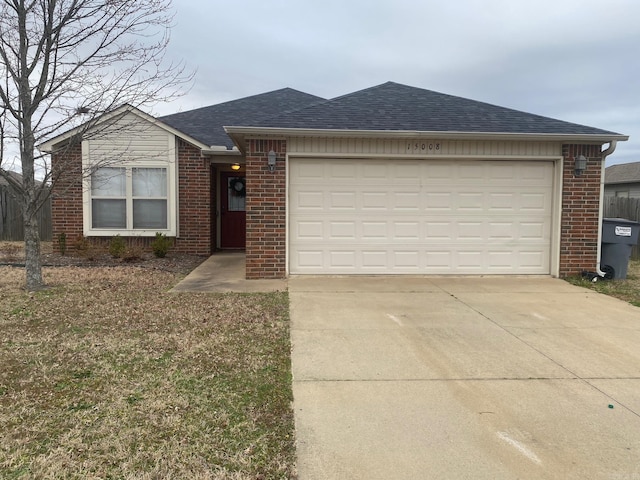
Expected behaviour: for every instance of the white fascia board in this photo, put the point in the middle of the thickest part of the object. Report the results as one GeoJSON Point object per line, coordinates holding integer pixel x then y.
{"type": "Point", "coordinates": [216, 150]}
{"type": "Point", "coordinates": [238, 132]}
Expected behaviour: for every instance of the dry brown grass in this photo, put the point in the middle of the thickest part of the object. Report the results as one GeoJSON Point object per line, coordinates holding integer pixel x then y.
{"type": "Point", "coordinates": [105, 375]}
{"type": "Point", "coordinates": [14, 251]}
{"type": "Point", "coordinates": [627, 289]}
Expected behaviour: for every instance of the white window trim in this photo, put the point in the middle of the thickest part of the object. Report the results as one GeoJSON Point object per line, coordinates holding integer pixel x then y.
{"type": "Point", "coordinates": [172, 217]}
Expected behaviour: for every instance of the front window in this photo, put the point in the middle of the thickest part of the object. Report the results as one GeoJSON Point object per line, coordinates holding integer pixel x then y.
{"type": "Point", "coordinates": [149, 198]}
{"type": "Point", "coordinates": [129, 198]}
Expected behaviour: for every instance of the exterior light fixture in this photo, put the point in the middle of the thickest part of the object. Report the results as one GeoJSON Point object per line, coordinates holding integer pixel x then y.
{"type": "Point", "coordinates": [581, 165]}
{"type": "Point", "coordinates": [271, 161]}
{"type": "Point", "coordinates": [235, 166]}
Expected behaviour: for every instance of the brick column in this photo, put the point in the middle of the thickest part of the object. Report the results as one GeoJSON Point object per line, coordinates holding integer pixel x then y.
{"type": "Point", "coordinates": [266, 210]}
{"type": "Point", "coordinates": [580, 210]}
{"type": "Point", "coordinates": [66, 196]}
{"type": "Point", "coordinates": [194, 201]}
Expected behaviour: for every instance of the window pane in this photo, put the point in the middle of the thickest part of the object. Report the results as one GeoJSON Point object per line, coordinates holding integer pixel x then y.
{"type": "Point", "coordinates": [149, 182]}
{"type": "Point", "coordinates": [150, 214]}
{"type": "Point", "coordinates": [236, 194]}
{"type": "Point", "coordinates": [108, 213]}
{"type": "Point", "coordinates": [108, 182]}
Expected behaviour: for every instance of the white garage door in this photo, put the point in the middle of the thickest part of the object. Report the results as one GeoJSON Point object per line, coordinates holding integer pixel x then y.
{"type": "Point", "coordinates": [419, 217]}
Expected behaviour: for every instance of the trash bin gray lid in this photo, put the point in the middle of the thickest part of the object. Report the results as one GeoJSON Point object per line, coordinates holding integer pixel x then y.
{"type": "Point", "coordinates": [620, 220]}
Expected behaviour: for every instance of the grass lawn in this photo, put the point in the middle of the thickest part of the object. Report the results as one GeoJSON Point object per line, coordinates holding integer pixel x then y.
{"type": "Point", "coordinates": [106, 375]}
{"type": "Point", "coordinates": [627, 290]}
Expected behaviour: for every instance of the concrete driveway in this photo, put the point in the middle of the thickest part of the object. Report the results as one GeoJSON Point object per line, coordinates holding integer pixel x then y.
{"type": "Point", "coordinates": [463, 378]}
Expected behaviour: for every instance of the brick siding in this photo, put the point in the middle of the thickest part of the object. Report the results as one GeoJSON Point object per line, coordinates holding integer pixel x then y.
{"type": "Point", "coordinates": [66, 196]}
{"type": "Point", "coordinates": [580, 210]}
{"type": "Point", "coordinates": [266, 210]}
{"type": "Point", "coordinates": [266, 207]}
{"type": "Point", "coordinates": [194, 203]}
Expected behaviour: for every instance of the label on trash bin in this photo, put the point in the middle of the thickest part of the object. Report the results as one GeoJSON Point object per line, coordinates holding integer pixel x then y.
{"type": "Point", "coordinates": [623, 231]}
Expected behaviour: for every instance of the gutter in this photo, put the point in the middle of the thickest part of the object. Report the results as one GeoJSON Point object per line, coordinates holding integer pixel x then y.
{"type": "Point", "coordinates": [605, 154]}
{"type": "Point", "coordinates": [236, 132]}
{"type": "Point", "coordinates": [221, 150]}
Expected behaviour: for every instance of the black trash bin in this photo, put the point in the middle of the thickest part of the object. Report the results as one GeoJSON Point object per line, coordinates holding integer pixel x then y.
{"type": "Point", "coordinates": [618, 238]}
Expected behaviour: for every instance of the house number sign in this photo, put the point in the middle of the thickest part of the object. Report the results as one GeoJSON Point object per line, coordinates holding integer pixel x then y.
{"type": "Point", "coordinates": [423, 147]}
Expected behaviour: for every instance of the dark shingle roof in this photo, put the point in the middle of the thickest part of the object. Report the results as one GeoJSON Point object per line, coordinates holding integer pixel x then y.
{"type": "Point", "coordinates": [206, 124]}
{"type": "Point", "coordinates": [624, 173]}
{"type": "Point", "coordinates": [392, 107]}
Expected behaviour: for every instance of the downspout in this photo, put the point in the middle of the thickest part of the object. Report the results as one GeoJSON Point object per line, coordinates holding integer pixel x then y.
{"type": "Point", "coordinates": [605, 154]}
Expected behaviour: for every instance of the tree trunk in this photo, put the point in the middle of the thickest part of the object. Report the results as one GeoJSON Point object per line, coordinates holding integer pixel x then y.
{"type": "Point", "coordinates": [33, 263]}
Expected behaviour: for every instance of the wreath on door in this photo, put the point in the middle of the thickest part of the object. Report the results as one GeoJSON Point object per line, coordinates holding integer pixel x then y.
{"type": "Point", "coordinates": [238, 186]}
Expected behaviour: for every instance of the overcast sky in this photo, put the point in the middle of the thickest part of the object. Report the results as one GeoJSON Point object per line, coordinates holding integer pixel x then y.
{"type": "Point", "coordinates": [575, 60]}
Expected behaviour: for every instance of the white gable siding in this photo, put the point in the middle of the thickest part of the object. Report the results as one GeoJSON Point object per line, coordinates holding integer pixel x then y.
{"type": "Point", "coordinates": [421, 147]}
{"type": "Point", "coordinates": [131, 141]}
{"type": "Point", "coordinates": [131, 138]}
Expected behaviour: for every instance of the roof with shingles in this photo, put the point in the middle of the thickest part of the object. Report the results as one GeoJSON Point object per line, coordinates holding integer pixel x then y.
{"type": "Point", "coordinates": [623, 173]}
{"type": "Point", "coordinates": [206, 124]}
{"type": "Point", "coordinates": [395, 107]}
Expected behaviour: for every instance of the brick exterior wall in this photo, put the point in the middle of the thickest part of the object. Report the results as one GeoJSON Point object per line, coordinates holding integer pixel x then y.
{"type": "Point", "coordinates": [266, 207]}
{"type": "Point", "coordinates": [66, 197]}
{"type": "Point", "coordinates": [580, 210]}
{"type": "Point", "coordinates": [194, 203]}
{"type": "Point", "coordinates": [266, 210]}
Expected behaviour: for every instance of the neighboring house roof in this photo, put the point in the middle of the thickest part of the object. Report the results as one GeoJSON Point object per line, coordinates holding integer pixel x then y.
{"type": "Point", "coordinates": [15, 175]}
{"type": "Point", "coordinates": [207, 124]}
{"type": "Point", "coordinates": [624, 173]}
{"type": "Point", "coordinates": [395, 107]}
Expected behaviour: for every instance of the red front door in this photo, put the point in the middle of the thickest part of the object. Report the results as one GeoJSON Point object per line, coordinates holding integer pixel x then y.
{"type": "Point", "coordinates": [232, 210]}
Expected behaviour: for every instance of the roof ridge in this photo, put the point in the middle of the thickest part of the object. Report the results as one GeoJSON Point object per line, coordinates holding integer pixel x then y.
{"type": "Point", "coordinates": [238, 100]}
{"type": "Point", "coordinates": [364, 90]}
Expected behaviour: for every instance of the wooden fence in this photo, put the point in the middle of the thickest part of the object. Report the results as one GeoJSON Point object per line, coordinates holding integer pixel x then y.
{"type": "Point", "coordinates": [628, 208]}
{"type": "Point", "coordinates": [11, 227]}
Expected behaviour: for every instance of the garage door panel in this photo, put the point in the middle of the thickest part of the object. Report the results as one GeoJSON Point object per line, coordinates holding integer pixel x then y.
{"type": "Point", "coordinates": [343, 171]}
{"type": "Point", "coordinates": [435, 202]}
{"type": "Point", "coordinates": [433, 260]}
{"type": "Point", "coordinates": [375, 259]}
{"type": "Point", "coordinates": [307, 200]}
{"type": "Point", "coordinates": [443, 217]}
{"type": "Point", "coordinates": [532, 230]}
{"type": "Point", "coordinates": [462, 230]}
{"type": "Point", "coordinates": [374, 230]}
{"type": "Point", "coordinates": [375, 201]}
{"type": "Point", "coordinates": [534, 203]}
{"type": "Point", "coordinates": [403, 231]}
{"type": "Point", "coordinates": [342, 230]}
{"type": "Point", "coordinates": [471, 201]}
{"type": "Point", "coordinates": [309, 230]}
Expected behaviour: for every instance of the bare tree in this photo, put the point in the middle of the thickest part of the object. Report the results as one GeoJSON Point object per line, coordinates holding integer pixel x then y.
{"type": "Point", "coordinates": [64, 63]}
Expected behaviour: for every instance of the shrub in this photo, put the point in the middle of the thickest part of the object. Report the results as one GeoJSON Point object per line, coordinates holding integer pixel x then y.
{"type": "Point", "coordinates": [161, 245]}
{"type": "Point", "coordinates": [62, 243]}
{"type": "Point", "coordinates": [132, 254]}
{"type": "Point", "coordinates": [117, 247]}
{"type": "Point", "coordinates": [85, 248]}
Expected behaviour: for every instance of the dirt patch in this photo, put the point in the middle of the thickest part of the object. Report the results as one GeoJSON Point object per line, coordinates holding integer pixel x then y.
{"type": "Point", "coordinates": [12, 254]}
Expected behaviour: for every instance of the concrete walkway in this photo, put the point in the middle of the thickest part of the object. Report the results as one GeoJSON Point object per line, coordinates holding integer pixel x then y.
{"type": "Point", "coordinates": [225, 272]}
{"type": "Point", "coordinates": [463, 378]}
